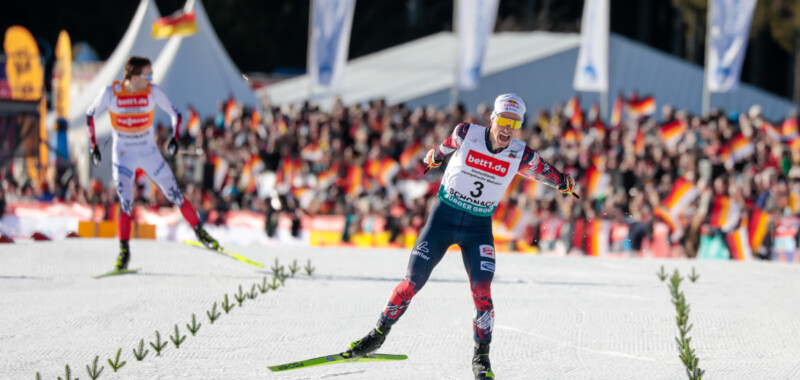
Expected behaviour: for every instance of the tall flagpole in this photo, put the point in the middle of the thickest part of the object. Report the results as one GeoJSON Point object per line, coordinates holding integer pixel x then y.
{"type": "Point", "coordinates": [604, 94]}
{"type": "Point", "coordinates": [706, 102]}
{"type": "Point", "coordinates": [310, 47]}
{"type": "Point", "coordinates": [454, 89]}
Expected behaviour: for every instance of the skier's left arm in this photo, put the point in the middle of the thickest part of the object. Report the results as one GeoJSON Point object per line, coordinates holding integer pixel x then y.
{"type": "Point", "coordinates": [175, 117]}
{"type": "Point", "coordinates": [534, 167]}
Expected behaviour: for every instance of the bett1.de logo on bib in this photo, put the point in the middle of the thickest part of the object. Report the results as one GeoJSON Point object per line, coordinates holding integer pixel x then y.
{"type": "Point", "coordinates": [487, 163]}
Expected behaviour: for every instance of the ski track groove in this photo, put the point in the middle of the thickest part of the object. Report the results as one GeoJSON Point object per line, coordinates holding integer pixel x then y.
{"type": "Point", "coordinates": [556, 317]}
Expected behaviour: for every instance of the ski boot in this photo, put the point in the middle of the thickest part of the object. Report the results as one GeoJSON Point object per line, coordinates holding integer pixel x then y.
{"type": "Point", "coordinates": [124, 256]}
{"type": "Point", "coordinates": [480, 362]}
{"type": "Point", "coordinates": [370, 343]}
{"type": "Point", "coordinates": [205, 238]}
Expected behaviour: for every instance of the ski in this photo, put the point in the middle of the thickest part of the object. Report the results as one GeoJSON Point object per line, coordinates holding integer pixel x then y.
{"type": "Point", "coordinates": [225, 252]}
{"type": "Point", "coordinates": [336, 359]}
{"type": "Point", "coordinates": [118, 272]}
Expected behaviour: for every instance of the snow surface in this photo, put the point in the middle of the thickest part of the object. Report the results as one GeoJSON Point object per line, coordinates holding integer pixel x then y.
{"type": "Point", "coordinates": [556, 317]}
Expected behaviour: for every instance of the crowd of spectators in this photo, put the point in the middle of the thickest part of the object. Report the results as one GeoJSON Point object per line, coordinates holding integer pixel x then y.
{"type": "Point", "coordinates": [365, 160]}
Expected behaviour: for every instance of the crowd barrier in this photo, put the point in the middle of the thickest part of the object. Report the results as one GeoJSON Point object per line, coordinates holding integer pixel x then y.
{"type": "Point", "coordinates": [600, 238]}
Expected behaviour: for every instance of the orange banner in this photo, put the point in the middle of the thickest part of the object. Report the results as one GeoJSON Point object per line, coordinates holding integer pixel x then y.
{"type": "Point", "coordinates": [63, 74]}
{"type": "Point", "coordinates": [23, 69]}
{"type": "Point", "coordinates": [44, 152]}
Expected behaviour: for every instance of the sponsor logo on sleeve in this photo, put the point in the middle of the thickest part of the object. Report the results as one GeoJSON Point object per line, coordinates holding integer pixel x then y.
{"type": "Point", "coordinates": [486, 251]}
{"type": "Point", "coordinates": [487, 266]}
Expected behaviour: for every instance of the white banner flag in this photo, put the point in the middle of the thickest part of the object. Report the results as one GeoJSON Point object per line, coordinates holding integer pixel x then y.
{"type": "Point", "coordinates": [474, 24]}
{"type": "Point", "coordinates": [328, 42]}
{"type": "Point", "coordinates": [591, 71]}
{"type": "Point", "coordinates": [730, 27]}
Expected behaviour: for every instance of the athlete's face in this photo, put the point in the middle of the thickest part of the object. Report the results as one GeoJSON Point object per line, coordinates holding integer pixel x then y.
{"type": "Point", "coordinates": [501, 135]}
{"type": "Point", "coordinates": [141, 81]}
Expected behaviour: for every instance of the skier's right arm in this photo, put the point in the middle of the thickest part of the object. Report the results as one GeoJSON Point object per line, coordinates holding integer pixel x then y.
{"type": "Point", "coordinates": [99, 104]}
{"type": "Point", "coordinates": [435, 156]}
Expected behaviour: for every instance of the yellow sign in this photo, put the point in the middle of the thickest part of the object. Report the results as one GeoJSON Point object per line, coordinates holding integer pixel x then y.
{"type": "Point", "coordinates": [43, 150]}
{"type": "Point", "coordinates": [63, 74]}
{"type": "Point", "coordinates": [25, 74]}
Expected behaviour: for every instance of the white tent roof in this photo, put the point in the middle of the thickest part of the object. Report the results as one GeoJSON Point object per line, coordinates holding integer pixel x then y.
{"type": "Point", "coordinates": [136, 41]}
{"type": "Point", "coordinates": [197, 71]}
{"type": "Point", "coordinates": [194, 70]}
{"type": "Point", "coordinates": [420, 67]}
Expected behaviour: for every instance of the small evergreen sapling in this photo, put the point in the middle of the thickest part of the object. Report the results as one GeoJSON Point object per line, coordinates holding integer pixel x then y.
{"type": "Point", "coordinates": [694, 276]}
{"type": "Point", "coordinates": [277, 267]}
{"type": "Point", "coordinates": [67, 376]}
{"type": "Point", "coordinates": [253, 293]}
{"type": "Point", "coordinates": [140, 355]}
{"type": "Point", "coordinates": [213, 314]}
{"type": "Point", "coordinates": [662, 275]}
{"type": "Point", "coordinates": [686, 353]}
{"type": "Point", "coordinates": [177, 339]}
{"type": "Point", "coordinates": [194, 326]}
{"type": "Point", "coordinates": [226, 305]}
{"type": "Point", "coordinates": [93, 372]}
{"type": "Point", "coordinates": [294, 267]}
{"type": "Point", "coordinates": [264, 287]}
{"type": "Point", "coordinates": [309, 269]}
{"type": "Point", "coordinates": [115, 365]}
{"type": "Point", "coordinates": [240, 297]}
{"type": "Point", "coordinates": [274, 284]}
{"type": "Point", "coordinates": [158, 346]}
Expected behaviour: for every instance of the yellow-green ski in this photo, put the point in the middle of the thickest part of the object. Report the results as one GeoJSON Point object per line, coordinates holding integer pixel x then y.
{"type": "Point", "coordinates": [226, 253]}
{"type": "Point", "coordinates": [118, 272]}
{"type": "Point", "coordinates": [336, 359]}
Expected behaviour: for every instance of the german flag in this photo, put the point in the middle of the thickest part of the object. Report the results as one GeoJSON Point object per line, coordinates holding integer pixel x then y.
{"type": "Point", "coordinates": [231, 111]}
{"type": "Point", "coordinates": [178, 24]}
{"type": "Point", "coordinates": [737, 149]}
{"type": "Point", "coordinates": [572, 135]}
{"type": "Point", "coordinates": [220, 173]}
{"type": "Point", "coordinates": [597, 237]}
{"type": "Point", "coordinates": [641, 107]}
{"type": "Point", "coordinates": [789, 129]}
{"type": "Point", "coordinates": [193, 126]}
{"type": "Point", "coordinates": [771, 130]}
{"type": "Point", "coordinates": [371, 171]}
{"type": "Point", "coordinates": [247, 181]}
{"type": "Point", "coordinates": [638, 144]}
{"type": "Point", "coordinates": [388, 170]}
{"type": "Point", "coordinates": [410, 154]}
{"type": "Point", "coordinates": [757, 228]}
{"type": "Point", "coordinates": [289, 170]}
{"type": "Point", "coordinates": [739, 246]}
{"type": "Point", "coordinates": [354, 180]}
{"type": "Point", "coordinates": [328, 177]}
{"type": "Point", "coordinates": [794, 145]}
{"type": "Point", "coordinates": [597, 182]}
{"type": "Point", "coordinates": [725, 214]}
{"type": "Point", "coordinates": [599, 128]}
{"type": "Point", "coordinates": [616, 112]}
{"type": "Point", "coordinates": [683, 192]}
{"type": "Point", "coordinates": [673, 131]}
{"type": "Point", "coordinates": [573, 111]}
{"type": "Point", "coordinates": [255, 119]}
